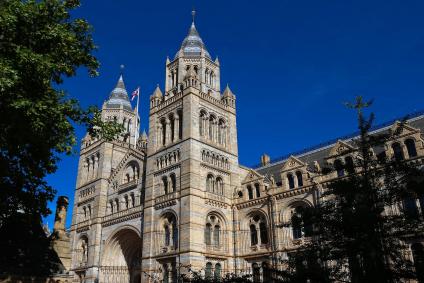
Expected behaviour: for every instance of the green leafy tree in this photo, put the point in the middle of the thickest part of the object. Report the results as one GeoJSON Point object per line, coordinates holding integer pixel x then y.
{"type": "Point", "coordinates": [361, 225]}
{"type": "Point", "coordinates": [40, 45]}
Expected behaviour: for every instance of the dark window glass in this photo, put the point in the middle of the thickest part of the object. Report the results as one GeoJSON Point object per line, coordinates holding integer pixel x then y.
{"type": "Point", "coordinates": [253, 235]}
{"type": "Point", "coordinates": [410, 146]}
{"type": "Point", "coordinates": [397, 151]}
{"type": "Point", "coordinates": [290, 180]}
{"type": "Point", "coordinates": [299, 179]}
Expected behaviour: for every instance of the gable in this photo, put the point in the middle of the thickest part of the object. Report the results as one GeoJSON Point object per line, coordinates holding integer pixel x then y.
{"type": "Point", "coordinates": [291, 163]}
{"type": "Point", "coordinates": [252, 176]}
{"type": "Point", "coordinates": [403, 129]}
{"type": "Point", "coordinates": [340, 148]}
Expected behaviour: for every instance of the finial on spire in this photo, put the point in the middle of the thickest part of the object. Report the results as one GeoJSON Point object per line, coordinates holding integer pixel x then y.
{"type": "Point", "coordinates": [193, 14]}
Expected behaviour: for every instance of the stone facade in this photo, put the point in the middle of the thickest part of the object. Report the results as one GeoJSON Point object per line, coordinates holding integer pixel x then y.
{"type": "Point", "coordinates": [146, 210]}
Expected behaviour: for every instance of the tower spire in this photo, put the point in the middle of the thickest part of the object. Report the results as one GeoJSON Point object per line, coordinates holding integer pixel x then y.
{"type": "Point", "coordinates": [193, 14]}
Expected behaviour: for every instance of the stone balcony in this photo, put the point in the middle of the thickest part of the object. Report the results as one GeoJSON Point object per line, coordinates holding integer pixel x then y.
{"type": "Point", "coordinates": [128, 185]}
{"type": "Point", "coordinates": [122, 215]}
{"type": "Point", "coordinates": [166, 200]}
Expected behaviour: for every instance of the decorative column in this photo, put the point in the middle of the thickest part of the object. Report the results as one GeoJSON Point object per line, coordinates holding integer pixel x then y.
{"type": "Point", "coordinates": [168, 132]}
{"type": "Point", "coordinates": [159, 135]}
{"type": "Point", "coordinates": [91, 167]}
{"type": "Point", "coordinates": [176, 127]}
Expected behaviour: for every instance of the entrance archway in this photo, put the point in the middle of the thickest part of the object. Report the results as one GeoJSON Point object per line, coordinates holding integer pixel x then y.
{"type": "Point", "coordinates": [121, 261]}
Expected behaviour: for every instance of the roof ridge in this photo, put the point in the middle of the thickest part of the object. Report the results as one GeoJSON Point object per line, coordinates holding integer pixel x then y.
{"type": "Point", "coordinates": [410, 117]}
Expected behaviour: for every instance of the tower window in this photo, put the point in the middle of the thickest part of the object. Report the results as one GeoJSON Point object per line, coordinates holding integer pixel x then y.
{"type": "Point", "coordinates": [299, 179]}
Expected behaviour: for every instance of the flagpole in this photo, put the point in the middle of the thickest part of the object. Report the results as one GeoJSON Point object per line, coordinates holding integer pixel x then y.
{"type": "Point", "coordinates": [136, 121]}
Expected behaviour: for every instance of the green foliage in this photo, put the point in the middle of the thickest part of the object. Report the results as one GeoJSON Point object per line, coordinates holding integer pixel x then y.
{"type": "Point", "coordinates": [40, 45]}
{"type": "Point", "coordinates": [357, 237]}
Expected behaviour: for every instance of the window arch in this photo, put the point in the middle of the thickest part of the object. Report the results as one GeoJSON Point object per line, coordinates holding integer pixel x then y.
{"type": "Point", "coordinates": [250, 192]}
{"type": "Point", "coordinates": [397, 151]}
{"type": "Point", "coordinates": [263, 232]}
{"type": "Point", "coordinates": [83, 251]}
{"type": "Point", "coordinates": [208, 270]}
{"type": "Point", "coordinates": [256, 270]}
{"type": "Point", "coordinates": [258, 191]}
{"type": "Point", "coordinates": [338, 166]}
{"type": "Point", "coordinates": [208, 234]}
{"type": "Point", "coordinates": [301, 221]}
{"type": "Point", "coordinates": [173, 182]}
{"type": "Point", "coordinates": [253, 235]}
{"type": "Point", "coordinates": [410, 147]}
{"type": "Point", "coordinates": [170, 230]}
{"type": "Point", "coordinates": [349, 165]}
{"type": "Point", "coordinates": [290, 181]}
{"type": "Point", "coordinates": [213, 230]}
{"type": "Point", "coordinates": [258, 223]}
{"type": "Point", "coordinates": [299, 179]}
{"type": "Point", "coordinates": [219, 186]}
{"type": "Point", "coordinates": [165, 185]}
{"type": "Point", "coordinates": [217, 273]}
{"type": "Point", "coordinates": [210, 183]}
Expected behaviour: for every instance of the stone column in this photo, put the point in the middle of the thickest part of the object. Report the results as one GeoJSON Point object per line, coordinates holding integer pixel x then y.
{"type": "Point", "coordinates": [176, 127]}
{"type": "Point", "coordinates": [159, 135]}
{"type": "Point", "coordinates": [168, 132]}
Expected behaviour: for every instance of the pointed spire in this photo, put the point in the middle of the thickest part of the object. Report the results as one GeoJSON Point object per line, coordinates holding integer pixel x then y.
{"type": "Point", "coordinates": [228, 92]}
{"type": "Point", "coordinates": [157, 92]}
{"type": "Point", "coordinates": [144, 135]}
{"type": "Point", "coordinates": [193, 44]}
{"type": "Point", "coordinates": [119, 96]}
{"type": "Point", "coordinates": [167, 60]}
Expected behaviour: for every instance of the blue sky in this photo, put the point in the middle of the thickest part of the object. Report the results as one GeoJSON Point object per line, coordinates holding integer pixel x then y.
{"type": "Point", "coordinates": [291, 64]}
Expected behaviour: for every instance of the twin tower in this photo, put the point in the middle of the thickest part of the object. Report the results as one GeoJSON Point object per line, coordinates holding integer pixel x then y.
{"type": "Point", "coordinates": [147, 210]}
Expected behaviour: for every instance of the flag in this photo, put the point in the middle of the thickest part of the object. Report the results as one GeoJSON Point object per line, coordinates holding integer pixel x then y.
{"type": "Point", "coordinates": [135, 93]}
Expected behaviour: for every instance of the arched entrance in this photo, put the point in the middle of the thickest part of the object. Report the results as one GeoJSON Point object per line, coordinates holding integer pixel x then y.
{"type": "Point", "coordinates": [121, 261]}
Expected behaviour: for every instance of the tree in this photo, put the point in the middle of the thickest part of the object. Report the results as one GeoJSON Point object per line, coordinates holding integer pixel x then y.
{"type": "Point", "coordinates": [361, 225]}
{"type": "Point", "coordinates": [40, 45]}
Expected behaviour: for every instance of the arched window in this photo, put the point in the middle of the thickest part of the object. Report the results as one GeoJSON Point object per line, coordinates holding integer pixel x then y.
{"type": "Point", "coordinates": [418, 256]}
{"type": "Point", "coordinates": [410, 147]}
{"type": "Point", "coordinates": [170, 230]}
{"type": "Point", "coordinates": [299, 179]}
{"type": "Point", "coordinates": [258, 191]}
{"type": "Point", "coordinates": [211, 128]}
{"type": "Point", "coordinates": [301, 222]}
{"type": "Point", "coordinates": [132, 200]}
{"type": "Point", "coordinates": [117, 205]}
{"type": "Point", "coordinates": [217, 273]}
{"type": "Point", "coordinates": [250, 192]}
{"type": "Point", "coordinates": [163, 124]}
{"type": "Point", "coordinates": [338, 166]}
{"type": "Point", "coordinates": [180, 124]}
{"type": "Point", "coordinates": [266, 272]}
{"type": "Point", "coordinates": [165, 185]}
{"type": "Point", "coordinates": [165, 273]}
{"type": "Point", "coordinates": [350, 167]}
{"type": "Point", "coordinates": [253, 235]}
{"type": "Point", "coordinates": [173, 182]}
{"type": "Point", "coordinates": [208, 232]}
{"type": "Point", "coordinates": [216, 233]}
{"type": "Point", "coordinates": [220, 186]}
{"type": "Point", "coordinates": [290, 181]}
{"type": "Point", "coordinates": [126, 200]}
{"type": "Point", "coordinates": [208, 271]}
{"type": "Point", "coordinates": [264, 233]}
{"type": "Point", "coordinates": [397, 151]}
{"type": "Point", "coordinates": [167, 236]}
{"type": "Point", "coordinates": [256, 270]}
{"type": "Point", "coordinates": [111, 206]}
{"type": "Point", "coordinates": [83, 251]}
{"type": "Point", "coordinates": [210, 183]}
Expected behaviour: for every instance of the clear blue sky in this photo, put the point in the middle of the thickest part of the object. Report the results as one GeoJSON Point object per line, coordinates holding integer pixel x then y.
{"type": "Point", "coordinates": [291, 64]}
